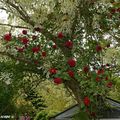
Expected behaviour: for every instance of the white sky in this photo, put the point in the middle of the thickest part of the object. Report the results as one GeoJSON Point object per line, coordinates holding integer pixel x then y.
{"type": "Point", "coordinates": [3, 16]}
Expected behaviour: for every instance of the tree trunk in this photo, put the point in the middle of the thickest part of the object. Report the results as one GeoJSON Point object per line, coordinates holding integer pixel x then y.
{"type": "Point", "coordinates": [73, 85]}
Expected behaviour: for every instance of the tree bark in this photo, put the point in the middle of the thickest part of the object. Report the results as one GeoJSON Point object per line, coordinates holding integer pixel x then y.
{"type": "Point", "coordinates": [73, 85]}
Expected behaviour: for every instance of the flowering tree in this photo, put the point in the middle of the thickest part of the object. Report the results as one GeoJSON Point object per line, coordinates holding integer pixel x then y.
{"type": "Point", "coordinates": [66, 43]}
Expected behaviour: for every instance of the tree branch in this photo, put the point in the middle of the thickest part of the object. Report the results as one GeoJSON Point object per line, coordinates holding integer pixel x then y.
{"type": "Point", "coordinates": [13, 57]}
{"type": "Point", "coordinates": [14, 26]}
{"type": "Point", "coordinates": [26, 18]}
{"type": "Point", "coordinates": [28, 68]}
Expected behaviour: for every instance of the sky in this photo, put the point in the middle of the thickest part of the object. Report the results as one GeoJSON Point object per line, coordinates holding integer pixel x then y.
{"type": "Point", "coordinates": [3, 16]}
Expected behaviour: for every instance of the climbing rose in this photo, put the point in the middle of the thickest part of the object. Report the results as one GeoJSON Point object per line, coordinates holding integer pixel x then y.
{"type": "Point", "coordinates": [57, 81]}
{"type": "Point", "coordinates": [107, 64]}
{"type": "Point", "coordinates": [44, 54]}
{"type": "Point", "coordinates": [36, 62]}
{"type": "Point", "coordinates": [118, 10]}
{"type": "Point", "coordinates": [20, 49]}
{"type": "Point", "coordinates": [86, 69]}
{"type": "Point", "coordinates": [86, 101]}
{"type": "Point", "coordinates": [7, 37]}
{"type": "Point", "coordinates": [53, 71]}
{"type": "Point", "coordinates": [71, 73]}
{"type": "Point", "coordinates": [100, 71]}
{"type": "Point", "coordinates": [98, 48]}
{"type": "Point", "coordinates": [54, 46]}
{"type": "Point", "coordinates": [35, 49]}
{"type": "Point", "coordinates": [106, 78]}
{"type": "Point", "coordinates": [24, 32]}
{"type": "Point", "coordinates": [109, 85]}
{"type": "Point", "coordinates": [69, 44]}
{"type": "Point", "coordinates": [25, 41]}
{"type": "Point", "coordinates": [71, 62]}
{"type": "Point", "coordinates": [113, 11]}
{"type": "Point", "coordinates": [97, 79]}
{"type": "Point", "coordinates": [60, 35]}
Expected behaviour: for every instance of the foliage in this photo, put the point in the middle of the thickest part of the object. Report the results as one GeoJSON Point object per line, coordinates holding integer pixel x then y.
{"type": "Point", "coordinates": [115, 93]}
{"type": "Point", "coordinates": [57, 98]}
{"type": "Point", "coordinates": [35, 100]}
{"type": "Point", "coordinates": [6, 98]}
{"type": "Point", "coordinates": [80, 116]}
{"type": "Point", "coordinates": [41, 116]}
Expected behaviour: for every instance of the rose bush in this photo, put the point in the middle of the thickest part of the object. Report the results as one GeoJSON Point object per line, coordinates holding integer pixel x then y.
{"type": "Point", "coordinates": [91, 74]}
{"type": "Point", "coordinates": [74, 57]}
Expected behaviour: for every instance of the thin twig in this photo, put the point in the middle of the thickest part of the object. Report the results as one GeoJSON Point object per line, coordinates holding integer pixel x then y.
{"type": "Point", "coordinates": [14, 26]}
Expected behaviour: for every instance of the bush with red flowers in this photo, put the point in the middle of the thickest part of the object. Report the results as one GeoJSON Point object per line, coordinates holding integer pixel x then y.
{"type": "Point", "coordinates": [25, 41]}
{"type": "Point", "coordinates": [71, 73]}
{"type": "Point", "coordinates": [60, 35]}
{"type": "Point", "coordinates": [53, 71]}
{"type": "Point", "coordinates": [24, 32]}
{"type": "Point", "coordinates": [44, 54]}
{"type": "Point", "coordinates": [57, 81]}
{"type": "Point", "coordinates": [36, 49]}
{"type": "Point", "coordinates": [98, 48]}
{"type": "Point", "coordinates": [74, 58]}
{"type": "Point", "coordinates": [71, 62]}
{"type": "Point", "coordinates": [7, 37]}
{"type": "Point", "coordinates": [69, 44]}
{"type": "Point", "coordinates": [75, 66]}
{"type": "Point", "coordinates": [86, 101]}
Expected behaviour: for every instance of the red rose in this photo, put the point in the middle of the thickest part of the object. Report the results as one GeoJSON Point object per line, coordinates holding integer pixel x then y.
{"type": "Point", "coordinates": [109, 85]}
{"type": "Point", "coordinates": [20, 49]}
{"type": "Point", "coordinates": [57, 81]}
{"type": "Point", "coordinates": [106, 78]}
{"type": "Point", "coordinates": [60, 35]}
{"type": "Point", "coordinates": [86, 101]}
{"type": "Point", "coordinates": [53, 71]}
{"type": "Point", "coordinates": [24, 32]}
{"type": "Point", "coordinates": [71, 73]}
{"type": "Point", "coordinates": [97, 79]}
{"type": "Point", "coordinates": [24, 40]}
{"type": "Point", "coordinates": [86, 69]}
{"type": "Point", "coordinates": [69, 44]}
{"type": "Point", "coordinates": [98, 48]}
{"type": "Point", "coordinates": [36, 62]}
{"type": "Point", "coordinates": [100, 71]}
{"type": "Point", "coordinates": [71, 62]}
{"type": "Point", "coordinates": [107, 65]}
{"type": "Point", "coordinates": [36, 49]}
{"type": "Point", "coordinates": [118, 10]}
{"type": "Point", "coordinates": [113, 11]}
{"type": "Point", "coordinates": [7, 37]}
{"type": "Point", "coordinates": [54, 46]}
{"type": "Point", "coordinates": [44, 54]}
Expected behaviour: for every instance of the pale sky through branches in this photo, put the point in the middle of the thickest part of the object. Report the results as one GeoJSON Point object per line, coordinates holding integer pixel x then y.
{"type": "Point", "coordinates": [3, 16]}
